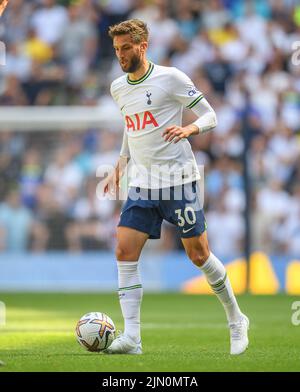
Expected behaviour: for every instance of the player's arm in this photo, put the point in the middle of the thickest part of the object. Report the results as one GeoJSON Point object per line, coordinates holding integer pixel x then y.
{"type": "Point", "coordinates": [182, 89]}
{"type": "Point", "coordinates": [206, 120]}
{"type": "Point", "coordinates": [3, 4]}
{"type": "Point", "coordinates": [112, 181]}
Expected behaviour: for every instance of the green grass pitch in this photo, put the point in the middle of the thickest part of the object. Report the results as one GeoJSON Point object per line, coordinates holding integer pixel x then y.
{"type": "Point", "coordinates": [180, 333]}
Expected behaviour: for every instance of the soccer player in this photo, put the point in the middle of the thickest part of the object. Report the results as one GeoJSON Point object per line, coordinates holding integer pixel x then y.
{"type": "Point", "coordinates": [151, 99]}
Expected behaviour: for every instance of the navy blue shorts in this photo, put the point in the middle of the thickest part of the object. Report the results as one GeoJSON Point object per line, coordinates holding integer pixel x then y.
{"type": "Point", "coordinates": [145, 209]}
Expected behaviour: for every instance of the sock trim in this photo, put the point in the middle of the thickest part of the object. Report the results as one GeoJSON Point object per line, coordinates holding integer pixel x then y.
{"type": "Point", "coordinates": [136, 286]}
{"type": "Point", "coordinates": [219, 290]}
{"type": "Point", "coordinates": [216, 285]}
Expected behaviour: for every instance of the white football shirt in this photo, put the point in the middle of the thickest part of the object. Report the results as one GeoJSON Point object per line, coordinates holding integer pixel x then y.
{"type": "Point", "coordinates": [150, 105]}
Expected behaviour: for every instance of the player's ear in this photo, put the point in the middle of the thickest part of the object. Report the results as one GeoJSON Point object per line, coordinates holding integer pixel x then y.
{"type": "Point", "coordinates": [144, 46]}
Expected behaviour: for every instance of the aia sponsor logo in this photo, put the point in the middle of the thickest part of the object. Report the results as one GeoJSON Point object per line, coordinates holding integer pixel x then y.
{"type": "Point", "coordinates": [138, 122]}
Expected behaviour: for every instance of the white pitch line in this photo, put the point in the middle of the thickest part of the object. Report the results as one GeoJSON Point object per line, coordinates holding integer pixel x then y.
{"type": "Point", "coordinates": [144, 326]}
{"type": "Point", "coordinates": [183, 325]}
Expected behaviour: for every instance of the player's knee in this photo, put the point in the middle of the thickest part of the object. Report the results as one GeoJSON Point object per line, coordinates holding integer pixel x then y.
{"type": "Point", "coordinates": [199, 257]}
{"type": "Point", "coordinates": [124, 253]}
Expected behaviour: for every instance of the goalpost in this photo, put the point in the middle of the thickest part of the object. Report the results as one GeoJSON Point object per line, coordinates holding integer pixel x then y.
{"type": "Point", "coordinates": [55, 118]}
{"type": "Point", "coordinates": [36, 144]}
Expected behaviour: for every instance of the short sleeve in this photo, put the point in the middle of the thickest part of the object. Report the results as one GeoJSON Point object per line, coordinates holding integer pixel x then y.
{"type": "Point", "coordinates": [183, 89]}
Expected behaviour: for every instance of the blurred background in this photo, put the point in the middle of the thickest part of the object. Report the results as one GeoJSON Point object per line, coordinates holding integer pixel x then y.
{"type": "Point", "coordinates": [55, 233]}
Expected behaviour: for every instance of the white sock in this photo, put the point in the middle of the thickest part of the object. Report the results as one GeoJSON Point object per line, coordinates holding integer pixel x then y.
{"type": "Point", "coordinates": [130, 297]}
{"type": "Point", "coordinates": [217, 278]}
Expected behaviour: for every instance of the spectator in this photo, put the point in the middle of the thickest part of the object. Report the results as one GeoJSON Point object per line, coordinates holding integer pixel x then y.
{"type": "Point", "coordinates": [13, 95]}
{"type": "Point", "coordinates": [218, 72]}
{"type": "Point", "coordinates": [36, 49]}
{"type": "Point", "coordinates": [30, 178]}
{"type": "Point", "coordinates": [90, 228]}
{"type": "Point", "coordinates": [16, 18]}
{"type": "Point", "coordinates": [78, 45]}
{"type": "Point", "coordinates": [65, 178]}
{"type": "Point", "coordinates": [239, 53]}
{"type": "Point", "coordinates": [186, 18]}
{"type": "Point", "coordinates": [17, 226]}
{"type": "Point", "coordinates": [52, 218]}
{"type": "Point", "coordinates": [49, 21]}
{"type": "Point", "coordinates": [17, 63]}
{"type": "Point", "coordinates": [215, 15]}
{"type": "Point", "coordinates": [226, 230]}
{"type": "Point", "coordinates": [164, 31]}
{"type": "Point", "coordinates": [272, 200]}
{"type": "Point", "coordinates": [144, 10]}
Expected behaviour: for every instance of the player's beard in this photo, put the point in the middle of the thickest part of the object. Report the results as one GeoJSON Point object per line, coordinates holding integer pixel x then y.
{"type": "Point", "coordinates": [134, 64]}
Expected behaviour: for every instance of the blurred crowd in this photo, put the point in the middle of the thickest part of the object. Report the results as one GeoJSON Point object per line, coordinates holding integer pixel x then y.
{"type": "Point", "coordinates": [241, 54]}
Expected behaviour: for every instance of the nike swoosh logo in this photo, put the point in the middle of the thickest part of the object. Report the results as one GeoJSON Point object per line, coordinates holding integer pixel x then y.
{"type": "Point", "coordinates": [122, 108]}
{"type": "Point", "coordinates": [186, 231]}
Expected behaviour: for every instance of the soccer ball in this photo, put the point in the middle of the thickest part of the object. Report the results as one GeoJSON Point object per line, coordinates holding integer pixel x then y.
{"type": "Point", "coordinates": [95, 331]}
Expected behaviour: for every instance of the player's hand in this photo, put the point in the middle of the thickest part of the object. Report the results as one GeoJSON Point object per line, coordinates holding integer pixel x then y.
{"type": "Point", "coordinates": [177, 133]}
{"type": "Point", "coordinates": [107, 187]}
{"type": "Point", "coordinates": [111, 184]}
{"type": "Point", "coordinates": [3, 4]}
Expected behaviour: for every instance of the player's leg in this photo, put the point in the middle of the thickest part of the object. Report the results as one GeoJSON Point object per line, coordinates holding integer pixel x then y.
{"type": "Point", "coordinates": [188, 215]}
{"type": "Point", "coordinates": [197, 249]}
{"type": "Point", "coordinates": [130, 243]}
{"type": "Point", "coordinates": [138, 222]}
